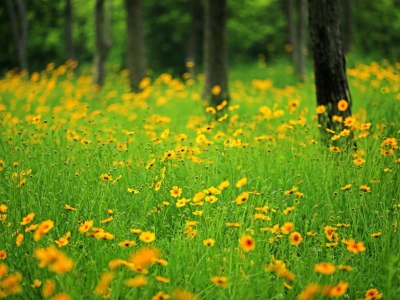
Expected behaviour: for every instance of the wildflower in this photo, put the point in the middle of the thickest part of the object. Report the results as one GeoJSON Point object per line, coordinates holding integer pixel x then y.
{"type": "Point", "coordinates": [145, 256]}
{"type": "Point", "coordinates": [176, 191]}
{"type": "Point", "coordinates": [3, 254]}
{"type": "Point", "coordinates": [247, 243]}
{"type": "Point", "coordinates": [162, 279]}
{"type": "Point", "coordinates": [295, 238]}
{"type": "Point", "coordinates": [36, 119]}
{"type": "Point", "coordinates": [329, 230]}
{"type": "Point", "coordinates": [103, 287]}
{"type": "Point", "coordinates": [127, 243]}
{"type": "Point", "coordinates": [287, 228]}
{"type": "Point", "coordinates": [211, 110]}
{"type": "Point", "coordinates": [61, 296]}
{"type": "Point", "coordinates": [288, 210]}
{"type": "Point", "coordinates": [354, 247]}
{"type": "Point", "coordinates": [291, 191]}
{"type": "Point", "coordinates": [242, 198]}
{"type": "Point", "coordinates": [105, 177]}
{"type": "Point", "coordinates": [133, 191]}
{"type": "Point", "coordinates": [339, 289]}
{"type": "Point", "coordinates": [209, 242]}
{"type": "Point", "coordinates": [349, 121]}
{"type": "Point", "coordinates": [325, 268]}
{"type": "Point", "coordinates": [183, 295]}
{"type": "Point", "coordinates": [36, 283]}
{"type": "Point", "coordinates": [376, 234]}
{"type": "Point", "coordinates": [311, 233]}
{"type": "Point", "coordinates": [136, 230]}
{"type": "Point", "coordinates": [147, 236]}
{"type": "Point", "coordinates": [221, 281]}
{"type": "Point", "coordinates": [335, 149]}
{"type": "Point", "coordinates": [197, 212]}
{"type": "Point", "coordinates": [3, 208]}
{"type": "Point", "coordinates": [109, 219]}
{"type": "Point", "coordinates": [31, 227]}
{"type": "Point", "coordinates": [150, 164]}
{"type": "Point", "coordinates": [342, 105]}
{"type": "Point", "coordinates": [48, 288]}
{"type": "Point", "coordinates": [310, 291]}
{"type": "Point", "coordinates": [56, 260]}
{"type": "Point", "coordinates": [216, 90]}
{"type": "Point", "coordinates": [320, 109]}
{"type": "Point", "coordinates": [137, 281]}
{"type": "Point", "coordinates": [211, 199]}
{"type": "Point", "coordinates": [365, 188]}
{"type": "Point", "coordinates": [373, 294]}
{"type": "Point", "coordinates": [160, 296]}
{"type": "Point", "coordinates": [233, 224]}
{"type": "Point", "coordinates": [26, 220]}
{"type": "Point", "coordinates": [241, 182]}
{"type": "Point", "coordinates": [345, 268]}
{"type": "Point", "coordinates": [346, 187]}
{"type": "Point", "coordinates": [68, 207]}
{"type": "Point", "coordinates": [223, 185]}
{"type": "Point", "coordinates": [86, 226]}
{"type": "Point", "coordinates": [365, 126]}
{"type": "Point", "coordinates": [279, 267]}
{"type": "Point", "coordinates": [358, 161]}
{"type": "Point", "coordinates": [286, 285]}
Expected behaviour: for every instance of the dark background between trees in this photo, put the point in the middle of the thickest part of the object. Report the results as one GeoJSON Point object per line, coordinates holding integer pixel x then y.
{"type": "Point", "coordinates": [254, 27]}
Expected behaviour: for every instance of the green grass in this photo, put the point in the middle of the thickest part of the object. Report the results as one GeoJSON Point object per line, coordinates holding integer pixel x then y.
{"type": "Point", "coordinates": [82, 135]}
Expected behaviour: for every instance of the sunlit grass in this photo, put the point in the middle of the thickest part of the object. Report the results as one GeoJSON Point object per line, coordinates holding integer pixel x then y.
{"type": "Point", "coordinates": [152, 195]}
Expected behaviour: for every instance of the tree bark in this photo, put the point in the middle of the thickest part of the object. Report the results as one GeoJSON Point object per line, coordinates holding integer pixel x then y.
{"type": "Point", "coordinates": [329, 62]}
{"type": "Point", "coordinates": [302, 45]}
{"type": "Point", "coordinates": [348, 25]}
{"type": "Point", "coordinates": [193, 39]}
{"type": "Point", "coordinates": [20, 31]}
{"type": "Point", "coordinates": [136, 56]}
{"type": "Point", "coordinates": [68, 30]}
{"type": "Point", "coordinates": [103, 40]}
{"type": "Point", "coordinates": [215, 51]}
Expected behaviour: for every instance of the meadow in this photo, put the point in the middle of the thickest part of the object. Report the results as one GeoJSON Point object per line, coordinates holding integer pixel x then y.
{"type": "Point", "coordinates": [109, 194]}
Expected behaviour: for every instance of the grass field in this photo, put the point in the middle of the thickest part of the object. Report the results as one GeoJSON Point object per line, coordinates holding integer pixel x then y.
{"type": "Point", "coordinates": [105, 193]}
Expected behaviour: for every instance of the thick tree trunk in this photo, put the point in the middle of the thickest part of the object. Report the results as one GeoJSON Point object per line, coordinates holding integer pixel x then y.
{"type": "Point", "coordinates": [348, 25]}
{"type": "Point", "coordinates": [193, 39]}
{"type": "Point", "coordinates": [20, 31]}
{"type": "Point", "coordinates": [136, 56]}
{"type": "Point", "coordinates": [329, 62]}
{"type": "Point", "coordinates": [103, 41]}
{"type": "Point", "coordinates": [215, 52]}
{"type": "Point", "coordinates": [302, 40]}
{"type": "Point", "coordinates": [68, 30]}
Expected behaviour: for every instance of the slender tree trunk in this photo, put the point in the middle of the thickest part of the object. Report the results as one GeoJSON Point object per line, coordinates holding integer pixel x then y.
{"type": "Point", "coordinates": [68, 30]}
{"type": "Point", "coordinates": [19, 30]}
{"type": "Point", "coordinates": [329, 62]}
{"type": "Point", "coordinates": [103, 40]}
{"type": "Point", "coordinates": [302, 40]}
{"type": "Point", "coordinates": [348, 25]}
{"type": "Point", "coordinates": [215, 52]}
{"type": "Point", "coordinates": [292, 32]}
{"type": "Point", "coordinates": [136, 56]}
{"type": "Point", "coordinates": [193, 39]}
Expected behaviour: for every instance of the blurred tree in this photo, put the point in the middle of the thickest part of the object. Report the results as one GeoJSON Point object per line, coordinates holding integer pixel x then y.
{"type": "Point", "coordinates": [68, 15]}
{"type": "Point", "coordinates": [215, 52]}
{"type": "Point", "coordinates": [136, 55]}
{"type": "Point", "coordinates": [329, 62]}
{"type": "Point", "coordinates": [103, 25]}
{"type": "Point", "coordinates": [296, 23]}
{"type": "Point", "coordinates": [19, 23]}
{"type": "Point", "coordinates": [193, 38]}
{"type": "Point", "coordinates": [348, 25]}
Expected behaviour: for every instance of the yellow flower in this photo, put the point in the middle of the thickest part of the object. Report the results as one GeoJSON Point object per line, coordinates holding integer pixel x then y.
{"type": "Point", "coordinates": [147, 236]}
{"type": "Point", "coordinates": [342, 105]}
{"type": "Point", "coordinates": [176, 191]}
{"type": "Point", "coordinates": [320, 109]}
{"type": "Point", "coordinates": [48, 288]}
{"type": "Point", "coordinates": [346, 187]}
{"type": "Point", "coordinates": [127, 243]}
{"type": "Point", "coordinates": [150, 164]}
{"type": "Point", "coordinates": [247, 243]}
{"type": "Point", "coordinates": [216, 90]}
{"type": "Point", "coordinates": [211, 110]}
{"type": "Point", "coordinates": [109, 219]}
{"type": "Point", "coordinates": [137, 281]}
{"type": "Point", "coordinates": [68, 207]}
{"type": "Point", "coordinates": [241, 182]}
{"type": "Point", "coordinates": [325, 268]}
{"type": "Point", "coordinates": [86, 226]}
{"type": "Point", "coordinates": [36, 283]}
{"type": "Point", "coordinates": [3, 208]}
{"type": "Point", "coordinates": [287, 228]}
{"type": "Point", "coordinates": [295, 238]}
{"type": "Point", "coordinates": [26, 220]}
{"type": "Point", "coordinates": [3, 254]}
{"type": "Point", "coordinates": [103, 287]}
{"type": "Point", "coordinates": [209, 242]}
{"type": "Point", "coordinates": [162, 279]}
{"type": "Point", "coordinates": [161, 296]}
{"type": "Point", "coordinates": [221, 281]}
{"type": "Point", "coordinates": [242, 198]}
{"type": "Point", "coordinates": [365, 188]}
{"type": "Point", "coordinates": [197, 212]}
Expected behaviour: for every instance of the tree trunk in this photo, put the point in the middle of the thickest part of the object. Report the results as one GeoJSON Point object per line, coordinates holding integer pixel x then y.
{"type": "Point", "coordinates": [302, 40]}
{"type": "Point", "coordinates": [20, 31]}
{"type": "Point", "coordinates": [329, 62]}
{"type": "Point", "coordinates": [136, 56]}
{"type": "Point", "coordinates": [193, 39]}
{"type": "Point", "coordinates": [103, 40]}
{"type": "Point", "coordinates": [68, 30]}
{"type": "Point", "coordinates": [348, 25]}
{"type": "Point", "coordinates": [215, 52]}
{"type": "Point", "coordinates": [292, 32]}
